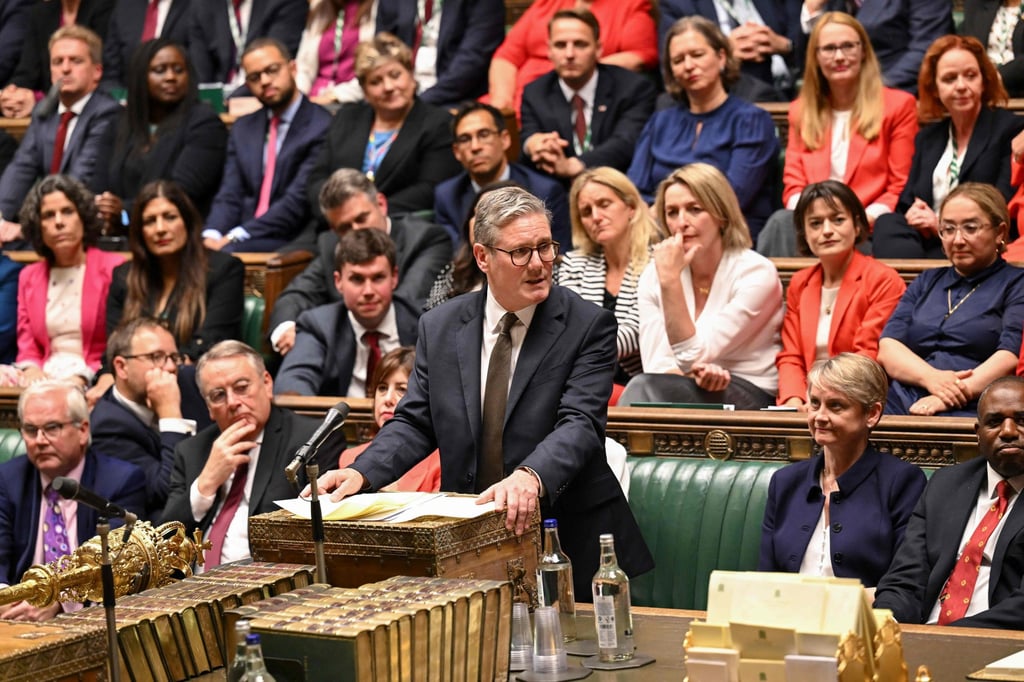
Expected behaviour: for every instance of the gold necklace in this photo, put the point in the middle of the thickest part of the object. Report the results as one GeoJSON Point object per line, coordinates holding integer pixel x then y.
{"type": "Point", "coordinates": [949, 301]}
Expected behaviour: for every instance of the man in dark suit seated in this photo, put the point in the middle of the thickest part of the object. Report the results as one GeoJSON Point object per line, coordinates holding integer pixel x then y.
{"type": "Point", "coordinates": [218, 36]}
{"type": "Point", "coordinates": [350, 201]}
{"type": "Point", "coordinates": [582, 114]}
{"type": "Point", "coordinates": [338, 345]}
{"type": "Point", "coordinates": [153, 405]}
{"type": "Point", "coordinates": [512, 384]}
{"type": "Point", "coordinates": [37, 526]}
{"type": "Point", "coordinates": [234, 468]}
{"type": "Point", "coordinates": [261, 204]}
{"type": "Point", "coordinates": [962, 557]}
{"type": "Point", "coordinates": [132, 23]}
{"type": "Point", "coordinates": [72, 135]}
{"type": "Point", "coordinates": [481, 142]}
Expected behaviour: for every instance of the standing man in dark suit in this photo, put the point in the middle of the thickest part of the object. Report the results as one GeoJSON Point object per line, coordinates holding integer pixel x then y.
{"type": "Point", "coordinates": [254, 212]}
{"type": "Point", "coordinates": [512, 384]}
{"type": "Point", "coordinates": [350, 201]}
{"type": "Point", "coordinates": [218, 35]}
{"type": "Point", "coordinates": [338, 345]}
{"type": "Point", "coordinates": [962, 557]}
{"type": "Point", "coordinates": [235, 468]}
{"type": "Point", "coordinates": [151, 407]}
{"type": "Point", "coordinates": [80, 146]}
{"type": "Point", "coordinates": [453, 43]}
{"type": "Point", "coordinates": [614, 104]}
{"type": "Point", "coordinates": [134, 22]}
{"type": "Point", "coordinates": [481, 143]}
{"type": "Point", "coordinates": [36, 525]}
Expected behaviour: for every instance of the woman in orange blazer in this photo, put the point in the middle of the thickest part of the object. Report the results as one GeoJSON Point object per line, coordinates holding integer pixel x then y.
{"type": "Point", "coordinates": [844, 126]}
{"type": "Point", "coordinates": [840, 304]}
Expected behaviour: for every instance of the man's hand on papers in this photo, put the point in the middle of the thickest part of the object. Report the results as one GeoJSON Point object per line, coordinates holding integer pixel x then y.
{"type": "Point", "coordinates": [340, 483]}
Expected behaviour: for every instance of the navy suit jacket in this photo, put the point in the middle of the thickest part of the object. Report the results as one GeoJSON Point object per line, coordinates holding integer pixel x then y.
{"type": "Point", "coordinates": [325, 349]}
{"type": "Point", "coordinates": [470, 32]}
{"type": "Point", "coordinates": [124, 33]}
{"type": "Point", "coordinates": [21, 495]}
{"type": "Point", "coordinates": [118, 432]}
{"type": "Point", "coordinates": [987, 158]}
{"type": "Point", "coordinates": [284, 433]}
{"type": "Point", "coordinates": [85, 151]}
{"type": "Point", "coordinates": [979, 15]}
{"type": "Point", "coordinates": [453, 200]}
{"type": "Point", "coordinates": [900, 32]}
{"type": "Point", "coordinates": [9, 272]}
{"type": "Point", "coordinates": [422, 250]}
{"type": "Point", "coordinates": [235, 203]}
{"type": "Point", "coordinates": [622, 104]}
{"type": "Point", "coordinates": [211, 48]}
{"type": "Point", "coordinates": [554, 424]}
{"type": "Point", "coordinates": [13, 30]}
{"type": "Point", "coordinates": [869, 515]}
{"type": "Point", "coordinates": [420, 157]}
{"type": "Point", "coordinates": [930, 547]}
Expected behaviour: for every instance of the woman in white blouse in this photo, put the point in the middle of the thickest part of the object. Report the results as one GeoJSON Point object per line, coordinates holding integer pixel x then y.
{"type": "Point", "coordinates": [710, 308]}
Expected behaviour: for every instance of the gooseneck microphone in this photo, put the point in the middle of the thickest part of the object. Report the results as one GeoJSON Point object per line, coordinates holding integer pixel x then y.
{"type": "Point", "coordinates": [70, 489]}
{"type": "Point", "coordinates": [334, 420]}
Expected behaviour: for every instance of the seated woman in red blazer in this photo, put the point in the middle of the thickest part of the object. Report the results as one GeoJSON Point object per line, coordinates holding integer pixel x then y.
{"type": "Point", "coordinates": [62, 299]}
{"type": "Point", "coordinates": [840, 304]}
{"type": "Point", "coordinates": [846, 126]}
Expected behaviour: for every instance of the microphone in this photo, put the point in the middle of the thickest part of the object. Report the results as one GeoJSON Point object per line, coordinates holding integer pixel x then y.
{"type": "Point", "coordinates": [334, 420]}
{"type": "Point", "coordinates": [70, 489]}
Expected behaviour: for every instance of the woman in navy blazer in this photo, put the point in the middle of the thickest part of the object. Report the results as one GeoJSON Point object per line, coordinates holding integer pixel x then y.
{"type": "Point", "coordinates": [842, 513]}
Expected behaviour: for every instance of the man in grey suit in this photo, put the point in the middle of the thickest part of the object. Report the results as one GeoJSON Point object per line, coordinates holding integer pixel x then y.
{"type": "Point", "coordinates": [72, 135]}
{"type": "Point", "coordinates": [512, 384]}
{"type": "Point", "coordinates": [349, 201]}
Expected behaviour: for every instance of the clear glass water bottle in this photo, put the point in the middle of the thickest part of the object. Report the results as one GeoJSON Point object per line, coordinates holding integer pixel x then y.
{"type": "Point", "coordinates": [236, 673]}
{"type": "Point", "coordinates": [611, 606]}
{"type": "Point", "coordinates": [255, 668]}
{"type": "Point", "coordinates": [554, 580]}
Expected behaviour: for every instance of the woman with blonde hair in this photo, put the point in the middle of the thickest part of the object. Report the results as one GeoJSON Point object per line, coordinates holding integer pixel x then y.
{"type": "Point", "coordinates": [710, 307]}
{"type": "Point", "coordinates": [846, 126]}
{"type": "Point", "coordinates": [612, 235]}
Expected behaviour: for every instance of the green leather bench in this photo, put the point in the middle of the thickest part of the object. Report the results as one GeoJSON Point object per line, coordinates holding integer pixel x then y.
{"type": "Point", "coordinates": [11, 444]}
{"type": "Point", "coordinates": [697, 515]}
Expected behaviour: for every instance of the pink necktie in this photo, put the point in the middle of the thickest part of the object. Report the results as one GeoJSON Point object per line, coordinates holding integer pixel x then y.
{"type": "Point", "coordinates": [219, 529]}
{"type": "Point", "coordinates": [268, 169]}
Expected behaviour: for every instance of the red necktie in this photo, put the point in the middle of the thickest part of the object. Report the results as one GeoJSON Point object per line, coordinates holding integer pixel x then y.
{"type": "Point", "coordinates": [581, 121]}
{"type": "Point", "coordinates": [372, 340]}
{"type": "Point", "coordinates": [219, 529]}
{"type": "Point", "coordinates": [268, 167]}
{"type": "Point", "coordinates": [956, 596]}
{"type": "Point", "coordinates": [58, 142]}
{"type": "Point", "coordinates": [428, 11]}
{"type": "Point", "coordinates": [149, 23]}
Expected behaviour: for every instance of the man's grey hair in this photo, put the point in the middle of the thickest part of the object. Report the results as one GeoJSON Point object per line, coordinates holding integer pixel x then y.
{"type": "Point", "coordinates": [342, 185]}
{"type": "Point", "coordinates": [230, 348]}
{"type": "Point", "coordinates": [77, 407]}
{"type": "Point", "coordinates": [500, 207]}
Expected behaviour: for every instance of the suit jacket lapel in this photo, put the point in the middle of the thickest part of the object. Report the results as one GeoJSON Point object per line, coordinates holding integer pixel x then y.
{"type": "Point", "coordinates": [469, 338]}
{"type": "Point", "coordinates": [346, 339]}
{"type": "Point", "coordinates": [1011, 529]}
{"type": "Point", "coordinates": [547, 326]}
{"type": "Point", "coordinates": [404, 143]}
{"type": "Point", "coordinates": [563, 114]}
{"type": "Point", "coordinates": [963, 500]}
{"type": "Point", "coordinates": [856, 150]}
{"type": "Point", "coordinates": [87, 517]}
{"type": "Point", "coordinates": [267, 463]}
{"type": "Point", "coordinates": [851, 283]}
{"type": "Point", "coordinates": [250, 153]}
{"type": "Point", "coordinates": [980, 139]}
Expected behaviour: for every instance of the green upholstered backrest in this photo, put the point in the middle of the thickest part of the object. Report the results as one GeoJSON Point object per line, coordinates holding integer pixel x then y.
{"type": "Point", "coordinates": [11, 444]}
{"type": "Point", "coordinates": [697, 515]}
{"type": "Point", "coordinates": [252, 321]}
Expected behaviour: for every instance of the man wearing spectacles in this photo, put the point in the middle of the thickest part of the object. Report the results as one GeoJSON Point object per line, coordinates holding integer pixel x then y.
{"type": "Point", "coordinates": [261, 204]}
{"type": "Point", "coordinates": [36, 525]}
{"type": "Point", "coordinates": [512, 384]}
{"type": "Point", "coordinates": [481, 144]}
{"type": "Point", "coordinates": [234, 468]}
{"type": "Point", "coordinates": [153, 405]}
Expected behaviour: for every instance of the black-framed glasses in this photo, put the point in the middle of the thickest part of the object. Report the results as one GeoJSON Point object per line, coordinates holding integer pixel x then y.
{"type": "Point", "coordinates": [968, 229]}
{"type": "Point", "coordinates": [484, 136]}
{"type": "Point", "coordinates": [51, 430]}
{"type": "Point", "coordinates": [521, 256]}
{"type": "Point", "coordinates": [219, 396]}
{"type": "Point", "coordinates": [157, 358]}
{"type": "Point", "coordinates": [833, 49]}
{"type": "Point", "coordinates": [255, 77]}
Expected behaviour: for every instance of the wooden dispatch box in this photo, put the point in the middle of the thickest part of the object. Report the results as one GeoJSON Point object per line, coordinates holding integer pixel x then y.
{"type": "Point", "coordinates": [360, 552]}
{"type": "Point", "coordinates": [35, 652]}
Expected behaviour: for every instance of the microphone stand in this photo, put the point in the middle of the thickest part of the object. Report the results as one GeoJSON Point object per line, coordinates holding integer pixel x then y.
{"type": "Point", "coordinates": [107, 576]}
{"type": "Point", "coordinates": [317, 517]}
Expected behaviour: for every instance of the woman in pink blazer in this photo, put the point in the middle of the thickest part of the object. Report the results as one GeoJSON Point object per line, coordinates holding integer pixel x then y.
{"type": "Point", "coordinates": [845, 126]}
{"type": "Point", "coordinates": [62, 299]}
{"type": "Point", "coordinates": [839, 305]}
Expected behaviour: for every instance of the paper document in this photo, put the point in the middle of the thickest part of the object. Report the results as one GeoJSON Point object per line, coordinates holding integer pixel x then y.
{"type": "Point", "coordinates": [391, 507]}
